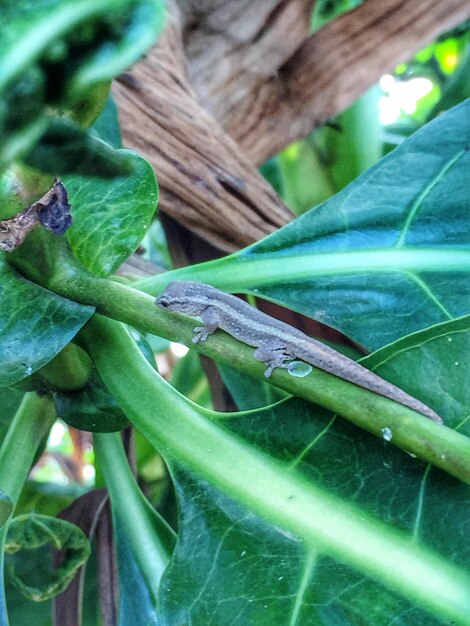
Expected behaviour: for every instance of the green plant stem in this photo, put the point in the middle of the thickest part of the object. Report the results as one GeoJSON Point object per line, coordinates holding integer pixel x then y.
{"type": "Point", "coordinates": [3, 604]}
{"type": "Point", "coordinates": [151, 539]}
{"type": "Point", "coordinates": [32, 421]}
{"type": "Point", "coordinates": [69, 370]}
{"type": "Point", "coordinates": [242, 272]}
{"type": "Point", "coordinates": [245, 474]}
{"type": "Point", "coordinates": [412, 432]}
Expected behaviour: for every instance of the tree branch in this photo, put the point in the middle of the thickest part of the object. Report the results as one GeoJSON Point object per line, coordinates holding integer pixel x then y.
{"type": "Point", "coordinates": [206, 181]}
{"type": "Point", "coordinates": [333, 68]}
{"type": "Point", "coordinates": [257, 72]}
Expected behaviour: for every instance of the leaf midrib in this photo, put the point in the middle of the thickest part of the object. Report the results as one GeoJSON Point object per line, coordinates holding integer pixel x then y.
{"type": "Point", "coordinates": [248, 273]}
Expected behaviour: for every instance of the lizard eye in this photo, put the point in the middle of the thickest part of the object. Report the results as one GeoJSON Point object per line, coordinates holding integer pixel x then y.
{"type": "Point", "coordinates": [164, 302]}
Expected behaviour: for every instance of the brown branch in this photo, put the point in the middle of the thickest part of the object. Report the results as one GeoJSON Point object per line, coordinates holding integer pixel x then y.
{"type": "Point", "coordinates": [334, 67]}
{"type": "Point", "coordinates": [236, 45]}
{"type": "Point", "coordinates": [206, 181]}
{"type": "Point", "coordinates": [255, 69]}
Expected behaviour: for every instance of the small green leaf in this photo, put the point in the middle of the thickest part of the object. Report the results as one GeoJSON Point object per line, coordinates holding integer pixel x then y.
{"type": "Point", "coordinates": [107, 125]}
{"type": "Point", "coordinates": [92, 408]}
{"type": "Point", "coordinates": [20, 186]}
{"type": "Point", "coordinates": [111, 217]}
{"type": "Point", "coordinates": [325, 11]}
{"type": "Point", "coordinates": [67, 149]}
{"type": "Point", "coordinates": [23, 612]}
{"type": "Point", "coordinates": [35, 324]}
{"type": "Point", "coordinates": [29, 538]}
{"type": "Point", "coordinates": [47, 498]}
{"type": "Point", "coordinates": [70, 370]}
{"type": "Point", "coordinates": [87, 110]}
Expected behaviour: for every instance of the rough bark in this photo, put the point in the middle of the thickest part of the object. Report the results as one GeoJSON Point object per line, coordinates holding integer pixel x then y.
{"type": "Point", "coordinates": [255, 72]}
{"type": "Point", "coordinates": [206, 182]}
{"type": "Point", "coordinates": [333, 68]}
{"type": "Point", "coordinates": [233, 47]}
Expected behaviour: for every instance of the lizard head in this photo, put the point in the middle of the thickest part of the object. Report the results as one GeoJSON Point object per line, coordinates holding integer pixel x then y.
{"type": "Point", "coordinates": [183, 297]}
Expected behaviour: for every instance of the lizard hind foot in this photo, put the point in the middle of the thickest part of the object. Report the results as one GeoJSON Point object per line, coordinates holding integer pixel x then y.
{"type": "Point", "coordinates": [272, 357]}
{"type": "Point", "coordinates": [269, 370]}
{"type": "Point", "coordinates": [200, 334]}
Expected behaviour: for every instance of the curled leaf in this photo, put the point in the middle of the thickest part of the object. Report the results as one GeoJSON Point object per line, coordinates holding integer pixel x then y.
{"type": "Point", "coordinates": [28, 537]}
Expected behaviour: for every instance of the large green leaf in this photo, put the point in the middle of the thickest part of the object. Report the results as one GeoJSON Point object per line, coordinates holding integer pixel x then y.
{"type": "Point", "coordinates": [111, 216]}
{"type": "Point", "coordinates": [232, 567]}
{"type": "Point", "coordinates": [352, 500]}
{"type": "Point", "coordinates": [387, 256]}
{"type": "Point", "coordinates": [35, 325]}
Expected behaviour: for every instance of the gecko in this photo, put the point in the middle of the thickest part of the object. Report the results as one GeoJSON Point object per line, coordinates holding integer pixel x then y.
{"type": "Point", "coordinates": [277, 343]}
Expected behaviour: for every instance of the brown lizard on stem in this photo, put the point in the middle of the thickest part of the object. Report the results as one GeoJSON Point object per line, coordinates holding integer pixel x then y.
{"type": "Point", "coordinates": [277, 344]}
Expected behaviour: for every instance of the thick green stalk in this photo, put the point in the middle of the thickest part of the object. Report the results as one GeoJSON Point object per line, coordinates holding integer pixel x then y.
{"type": "Point", "coordinates": [412, 432]}
{"type": "Point", "coordinates": [69, 370]}
{"type": "Point", "coordinates": [243, 473]}
{"type": "Point", "coordinates": [31, 423]}
{"type": "Point", "coordinates": [151, 540]}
